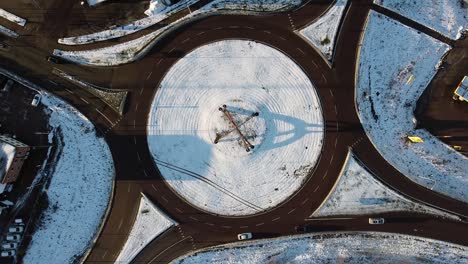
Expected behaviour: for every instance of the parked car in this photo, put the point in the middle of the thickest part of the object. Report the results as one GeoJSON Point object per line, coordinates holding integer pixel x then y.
{"type": "Point", "coordinates": [36, 100]}
{"type": "Point", "coordinates": [8, 253]}
{"type": "Point", "coordinates": [244, 236]}
{"type": "Point", "coordinates": [376, 221]}
{"type": "Point", "coordinates": [54, 59]}
{"type": "Point", "coordinates": [12, 245]}
{"type": "Point", "coordinates": [8, 85]}
{"type": "Point", "coordinates": [16, 229]}
{"type": "Point", "coordinates": [13, 237]}
{"type": "Point", "coordinates": [18, 221]}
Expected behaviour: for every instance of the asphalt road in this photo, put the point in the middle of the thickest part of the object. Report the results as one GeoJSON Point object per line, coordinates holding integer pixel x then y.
{"type": "Point", "coordinates": [135, 168]}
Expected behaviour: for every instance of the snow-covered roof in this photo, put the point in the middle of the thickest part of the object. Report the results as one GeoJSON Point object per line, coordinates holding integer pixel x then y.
{"type": "Point", "coordinates": [462, 89]}
{"type": "Point", "coordinates": [7, 153]}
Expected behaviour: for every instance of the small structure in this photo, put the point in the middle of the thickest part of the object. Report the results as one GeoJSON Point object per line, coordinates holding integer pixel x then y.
{"type": "Point", "coordinates": [461, 93]}
{"type": "Point", "coordinates": [12, 156]}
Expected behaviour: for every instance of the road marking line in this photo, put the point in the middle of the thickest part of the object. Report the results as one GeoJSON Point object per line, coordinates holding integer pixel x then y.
{"type": "Point", "coordinates": [104, 116]}
{"type": "Point", "coordinates": [227, 227]}
{"type": "Point", "coordinates": [266, 31]}
{"type": "Point", "coordinates": [70, 91]}
{"type": "Point", "coordinates": [250, 27]}
{"type": "Point", "coordinates": [164, 198]}
{"type": "Point", "coordinates": [142, 88]}
{"type": "Point", "coordinates": [120, 224]}
{"type": "Point", "coordinates": [178, 210]}
{"type": "Point", "coordinates": [260, 224]}
{"type": "Point", "coordinates": [134, 140]}
{"type": "Point", "coordinates": [134, 123]}
{"type": "Point", "coordinates": [282, 38]}
{"type": "Point", "coordinates": [331, 92]}
{"type": "Point", "coordinates": [218, 28]}
{"type": "Point", "coordinates": [144, 172]}
{"type": "Point", "coordinates": [305, 201]}
{"type": "Point", "coordinates": [138, 156]}
{"type": "Point", "coordinates": [185, 40]}
{"type": "Point", "coordinates": [128, 188]}
{"type": "Point", "coordinates": [243, 227]}
{"type": "Point", "coordinates": [316, 66]}
{"type": "Point", "coordinates": [291, 21]}
{"type": "Point", "coordinates": [276, 219]}
{"type": "Point", "coordinates": [210, 224]}
{"type": "Point", "coordinates": [290, 212]}
{"type": "Point", "coordinates": [171, 50]}
{"type": "Point", "coordinates": [331, 160]}
{"type": "Point", "coordinates": [201, 33]}
{"type": "Point", "coordinates": [104, 255]}
{"type": "Point", "coordinates": [158, 62]}
{"type": "Point", "coordinates": [301, 51]}
{"type": "Point", "coordinates": [325, 175]}
{"type": "Point", "coordinates": [149, 75]}
{"type": "Point", "coordinates": [336, 110]}
{"type": "Point", "coordinates": [136, 107]}
{"type": "Point", "coordinates": [162, 252]}
{"type": "Point", "coordinates": [82, 99]}
{"type": "Point", "coordinates": [152, 185]}
{"type": "Point", "coordinates": [323, 76]}
{"type": "Point", "coordinates": [317, 188]}
{"type": "Point", "coordinates": [193, 218]}
{"type": "Point", "coordinates": [336, 139]}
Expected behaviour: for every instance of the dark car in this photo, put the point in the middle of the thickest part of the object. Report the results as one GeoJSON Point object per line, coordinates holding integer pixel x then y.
{"type": "Point", "coordinates": [54, 59]}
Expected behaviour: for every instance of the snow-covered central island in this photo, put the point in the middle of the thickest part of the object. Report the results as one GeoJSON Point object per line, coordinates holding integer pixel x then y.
{"type": "Point", "coordinates": [194, 141]}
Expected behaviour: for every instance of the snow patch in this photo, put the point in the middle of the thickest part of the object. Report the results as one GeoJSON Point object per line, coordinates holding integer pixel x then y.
{"type": "Point", "coordinates": [448, 17]}
{"type": "Point", "coordinates": [358, 192]}
{"type": "Point", "coordinates": [79, 189]}
{"type": "Point", "coordinates": [394, 70]}
{"type": "Point", "coordinates": [149, 223]}
{"type": "Point", "coordinates": [346, 247]}
{"type": "Point", "coordinates": [7, 154]}
{"type": "Point", "coordinates": [322, 33]}
{"type": "Point", "coordinates": [247, 77]}
{"type": "Point", "coordinates": [12, 17]}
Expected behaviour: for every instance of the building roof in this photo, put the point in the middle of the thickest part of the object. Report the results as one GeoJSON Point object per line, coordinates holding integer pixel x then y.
{"type": "Point", "coordinates": [7, 154]}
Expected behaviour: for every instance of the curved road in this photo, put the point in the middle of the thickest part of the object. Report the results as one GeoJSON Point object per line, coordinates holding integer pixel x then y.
{"type": "Point", "coordinates": [135, 168]}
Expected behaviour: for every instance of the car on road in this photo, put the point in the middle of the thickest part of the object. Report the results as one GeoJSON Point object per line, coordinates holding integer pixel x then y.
{"type": "Point", "coordinates": [4, 46]}
{"type": "Point", "coordinates": [36, 100]}
{"type": "Point", "coordinates": [8, 253]}
{"type": "Point", "coordinates": [461, 93]}
{"type": "Point", "coordinates": [376, 221]}
{"type": "Point", "coordinates": [54, 59]}
{"type": "Point", "coordinates": [13, 245]}
{"type": "Point", "coordinates": [16, 229]}
{"type": "Point", "coordinates": [15, 237]}
{"type": "Point", "coordinates": [244, 236]}
{"type": "Point", "coordinates": [18, 221]}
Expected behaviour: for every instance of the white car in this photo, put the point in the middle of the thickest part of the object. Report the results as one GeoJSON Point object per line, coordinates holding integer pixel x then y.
{"type": "Point", "coordinates": [8, 253]}
{"type": "Point", "coordinates": [376, 221]}
{"type": "Point", "coordinates": [36, 100]}
{"type": "Point", "coordinates": [12, 245]}
{"type": "Point", "coordinates": [14, 237]}
{"type": "Point", "coordinates": [244, 236]}
{"type": "Point", "coordinates": [16, 229]}
{"type": "Point", "coordinates": [18, 221]}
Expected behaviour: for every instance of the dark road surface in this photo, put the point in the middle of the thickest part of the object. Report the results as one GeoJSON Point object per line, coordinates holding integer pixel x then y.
{"type": "Point", "coordinates": [135, 168]}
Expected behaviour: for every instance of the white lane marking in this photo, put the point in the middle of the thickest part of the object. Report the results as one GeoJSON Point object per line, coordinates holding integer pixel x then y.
{"type": "Point", "coordinates": [336, 110]}
{"type": "Point", "coordinates": [290, 212]}
{"type": "Point", "coordinates": [331, 160]}
{"type": "Point", "coordinates": [149, 75]}
{"type": "Point", "coordinates": [104, 116]}
{"type": "Point", "coordinates": [54, 83]}
{"type": "Point", "coordinates": [243, 227]}
{"type": "Point", "coordinates": [260, 224]}
{"type": "Point", "coordinates": [154, 187]}
{"type": "Point", "coordinates": [210, 224]}
{"type": "Point", "coordinates": [70, 91]}
{"type": "Point", "coordinates": [171, 50]}
{"type": "Point", "coordinates": [336, 139]}
{"type": "Point", "coordinates": [331, 92]}
{"type": "Point", "coordinates": [266, 31]}
{"type": "Point", "coordinates": [178, 210]}
{"type": "Point", "coordinates": [158, 62]}
{"type": "Point", "coordinates": [134, 123]}
{"type": "Point", "coordinates": [325, 175]}
{"type": "Point", "coordinates": [134, 140]}
{"type": "Point", "coordinates": [317, 188]}
{"type": "Point", "coordinates": [138, 156]}
{"type": "Point", "coordinates": [315, 65]}
{"type": "Point", "coordinates": [301, 51]}
{"type": "Point", "coordinates": [226, 227]}
{"type": "Point", "coordinates": [193, 218]}
{"type": "Point", "coordinates": [185, 40]}
{"type": "Point", "coordinates": [104, 255]}
{"type": "Point", "coordinates": [136, 107]}
{"type": "Point", "coordinates": [141, 91]}
{"type": "Point", "coordinates": [305, 201]}
{"type": "Point", "coordinates": [323, 76]}
{"type": "Point", "coordinates": [82, 99]}
{"type": "Point", "coordinates": [144, 172]}
{"type": "Point", "coordinates": [164, 198]}
{"type": "Point", "coordinates": [120, 224]}
{"type": "Point", "coordinates": [201, 33]}
{"type": "Point", "coordinates": [250, 27]}
{"type": "Point", "coordinates": [276, 219]}
{"type": "Point", "coordinates": [218, 28]}
{"type": "Point", "coordinates": [173, 245]}
{"type": "Point", "coordinates": [282, 38]}
{"type": "Point", "coordinates": [129, 187]}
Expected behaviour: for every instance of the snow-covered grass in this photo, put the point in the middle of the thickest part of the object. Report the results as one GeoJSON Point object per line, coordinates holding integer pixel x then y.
{"type": "Point", "coordinates": [251, 5]}
{"type": "Point", "coordinates": [12, 17]}
{"type": "Point", "coordinates": [7, 154]}
{"type": "Point", "coordinates": [149, 223]}
{"type": "Point", "coordinates": [322, 32]}
{"type": "Point", "coordinates": [94, 2]}
{"type": "Point", "coordinates": [78, 192]}
{"type": "Point", "coordinates": [357, 192]}
{"type": "Point", "coordinates": [394, 69]}
{"type": "Point", "coordinates": [449, 17]}
{"type": "Point", "coordinates": [112, 55]}
{"type": "Point", "coordinates": [124, 30]}
{"type": "Point", "coordinates": [248, 77]}
{"type": "Point", "coordinates": [349, 247]}
{"type": "Point", "coordinates": [8, 32]}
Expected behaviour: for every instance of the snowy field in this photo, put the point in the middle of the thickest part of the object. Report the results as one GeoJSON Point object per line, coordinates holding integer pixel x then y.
{"type": "Point", "coordinates": [79, 190]}
{"type": "Point", "coordinates": [394, 70]}
{"type": "Point", "coordinates": [252, 5]}
{"type": "Point", "coordinates": [322, 33]}
{"type": "Point", "coordinates": [349, 247]}
{"type": "Point", "coordinates": [358, 192]}
{"type": "Point", "coordinates": [120, 31]}
{"type": "Point", "coordinates": [12, 17]}
{"type": "Point", "coordinates": [247, 77]}
{"type": "Point", "coordinates": [449, 17]}
{"type": "Point", "coordinates": [149, 223]}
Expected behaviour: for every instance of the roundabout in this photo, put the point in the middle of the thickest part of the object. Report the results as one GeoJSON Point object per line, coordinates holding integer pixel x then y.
{"type": "Point", "coordinates": [235, 127]}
